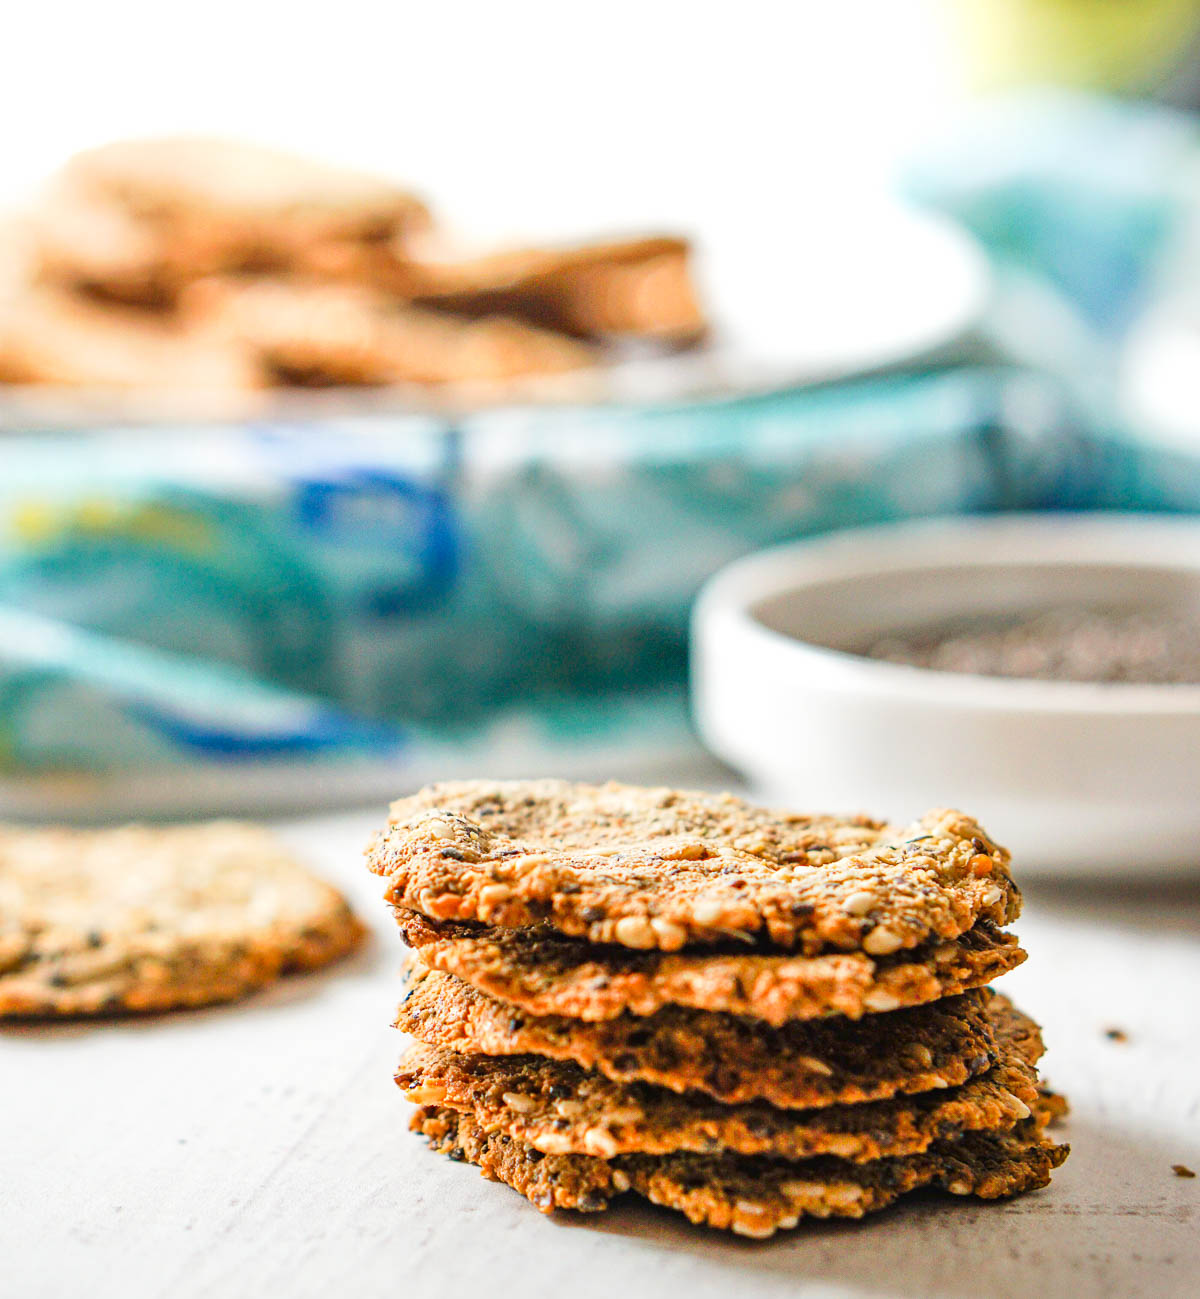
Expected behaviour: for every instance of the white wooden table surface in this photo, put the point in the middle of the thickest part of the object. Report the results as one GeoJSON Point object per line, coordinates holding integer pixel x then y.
{"type": "Point", "coordinates": [261, 1149]}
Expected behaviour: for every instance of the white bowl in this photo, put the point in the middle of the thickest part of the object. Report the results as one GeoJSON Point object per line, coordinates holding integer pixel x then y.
{"type": "Point", "coordinates": [1075, 777]}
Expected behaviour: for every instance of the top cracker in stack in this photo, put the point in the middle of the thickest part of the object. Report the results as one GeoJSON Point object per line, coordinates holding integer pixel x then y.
{"type": "Point", "coordinates": [748, 1015]}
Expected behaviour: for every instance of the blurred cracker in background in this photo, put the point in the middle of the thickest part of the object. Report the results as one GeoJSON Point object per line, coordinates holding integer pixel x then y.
{"type": "Point", "coordinates": [201, 264]}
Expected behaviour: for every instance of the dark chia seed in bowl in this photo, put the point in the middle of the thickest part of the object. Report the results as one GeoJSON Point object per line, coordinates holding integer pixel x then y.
{"type": "Point", "coordinates": [1062, 644]}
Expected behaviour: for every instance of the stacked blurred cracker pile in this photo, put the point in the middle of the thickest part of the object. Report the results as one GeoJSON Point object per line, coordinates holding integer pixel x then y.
{"type": "Point", "coordinates": [746, 1015]}
{"type": "Point", "coordinates": [210, 265]}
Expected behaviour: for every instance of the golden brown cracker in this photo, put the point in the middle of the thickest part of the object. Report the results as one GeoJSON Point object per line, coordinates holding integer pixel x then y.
{"type": "Point", "coordinates": [807, 1063]}
{"type": "Point", "coordinates": [324, 334]}
{"type": "Point", "coordinates": [558, 1108]}
{"type": "Point", "coordinates": [547, 974]}
{"type": "Point", "coordinates": [142, 918]}
{"type": "Point", "coordinates": [661, 868]}
{"type": "Point", "coordinates": [752, 1196]}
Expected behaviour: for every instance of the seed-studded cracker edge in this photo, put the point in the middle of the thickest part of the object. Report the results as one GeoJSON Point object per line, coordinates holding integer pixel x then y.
{"type": "Point", "coordinates": [558, 1108]}
{"type": "Point", "coordinates": [750, 1196]}
{"type": "Point", "coordinates": [547, 974]}
{"type": "Point", "coordinates": [195, 974]}
{"type": "Point", "coordinates": [119, 963]}
{"type": "Point", "coordinates": [664, 868]}
{"type": "Point", "coordinates": [805, 1064]}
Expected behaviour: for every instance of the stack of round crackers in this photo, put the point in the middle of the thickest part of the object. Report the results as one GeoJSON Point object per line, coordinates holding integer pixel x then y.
{"type": "Point", "coordinates": [191, 265]}
{"type": "Point", "coordinates": [746, 1015]}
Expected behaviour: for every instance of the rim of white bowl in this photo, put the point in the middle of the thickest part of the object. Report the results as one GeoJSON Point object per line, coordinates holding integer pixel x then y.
{"type": "Point", "coordinates": [729, 600]}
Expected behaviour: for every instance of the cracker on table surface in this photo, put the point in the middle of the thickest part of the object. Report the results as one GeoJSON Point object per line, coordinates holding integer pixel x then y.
{"type": "Point", "coordinates": [48, 336]}
{"type": "Point", "coordinates": [660, 868]}
{"type": "Point", "coordinates": [197, 180]}
{"type": "Point", "coordinates": [315, 334]}
{"type": "Point", "coordinates": [635, 287]}
{"type": "Point", "coordinates": [806, 1063]}
{"type": "Point", "coordinates": [135, 221]}
{"type": "Point", "coordinates": [546, 974]}
{"type": "Point", "coordinates": [750, 1195]}
{"type": "Point", "coordinates": [142, 918]}
{"type": "Point", "coordinates": [104, 252]}
{"type": "Point", "coordinates": [558, 1108]}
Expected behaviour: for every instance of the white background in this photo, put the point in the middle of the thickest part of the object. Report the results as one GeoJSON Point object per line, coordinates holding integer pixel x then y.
{"type": "Point", "coordinates": [522, 116]}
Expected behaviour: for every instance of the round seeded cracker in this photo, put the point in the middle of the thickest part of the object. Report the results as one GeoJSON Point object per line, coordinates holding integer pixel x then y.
{"type": "Point", "coordinates": [747, 1195]}
{"type": "Point", "coordinates": [144, 918]}
{"type": "Point", "coordinates": [558, 1108]}
{"type": "Point", "coordinates": [546, 974]}
{"type": "Point", "coordinates": [804, 1064]}
{"type": "Point", "coordinates": [660, 868]}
